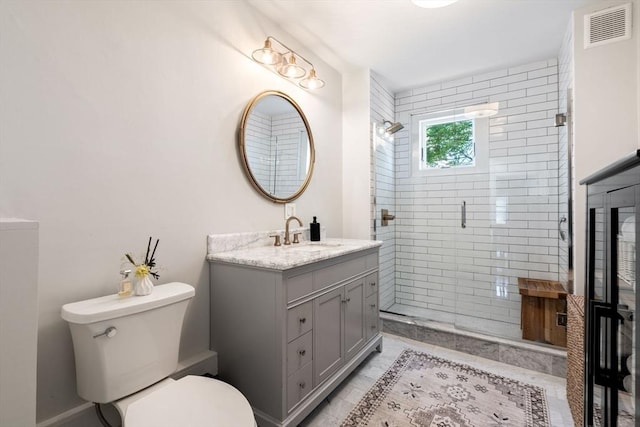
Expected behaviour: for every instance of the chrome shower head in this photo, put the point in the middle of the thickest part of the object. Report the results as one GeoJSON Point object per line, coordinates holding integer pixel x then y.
{"type": "Point", "coordinates": [393, 127]}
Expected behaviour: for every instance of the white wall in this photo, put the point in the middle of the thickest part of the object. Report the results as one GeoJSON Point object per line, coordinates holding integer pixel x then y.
{"type": "Point", "coordinates": [606, 113]}
{"type": "Point", "coordinates": [356, 154]}
{"type": "Point", "coordinates": [119, 122]}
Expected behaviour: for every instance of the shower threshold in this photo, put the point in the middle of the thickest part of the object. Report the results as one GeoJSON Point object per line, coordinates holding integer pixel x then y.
{"type": "Point", "coordinates": [537, 357]}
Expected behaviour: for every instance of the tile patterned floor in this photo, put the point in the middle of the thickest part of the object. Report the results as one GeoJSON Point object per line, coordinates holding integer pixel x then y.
{"type": "Point", "coordinates": [333, 410]}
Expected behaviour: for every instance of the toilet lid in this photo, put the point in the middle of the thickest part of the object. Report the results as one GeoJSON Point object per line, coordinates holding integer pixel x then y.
{"type": "Point", "coordinates": [191, 401]}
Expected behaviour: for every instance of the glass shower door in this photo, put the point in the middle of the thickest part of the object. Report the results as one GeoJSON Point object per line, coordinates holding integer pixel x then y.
{"type": "Point", "coordinates": [384, 198]}
{"type": "Point", "coordinates": [489, 255]}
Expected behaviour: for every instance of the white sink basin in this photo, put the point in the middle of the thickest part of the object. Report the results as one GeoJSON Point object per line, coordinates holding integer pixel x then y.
{"type": "Point", "coordinates": [312, 246]}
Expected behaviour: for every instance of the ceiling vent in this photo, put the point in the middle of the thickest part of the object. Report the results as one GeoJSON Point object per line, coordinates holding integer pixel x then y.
{"type": "Point", "coordinates": [607, 26]}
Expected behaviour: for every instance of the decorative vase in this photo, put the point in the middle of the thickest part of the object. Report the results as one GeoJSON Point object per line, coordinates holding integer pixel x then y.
{"type": "Point", "coordinates": [143, 285]}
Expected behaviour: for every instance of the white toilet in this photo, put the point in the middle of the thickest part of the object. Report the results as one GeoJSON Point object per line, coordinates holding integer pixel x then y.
{"type": "Point", "coordinates": [125, 349]}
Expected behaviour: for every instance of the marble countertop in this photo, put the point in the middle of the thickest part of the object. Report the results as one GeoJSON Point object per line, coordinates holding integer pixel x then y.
{"type": "Point", "coordinates": [294, 255]}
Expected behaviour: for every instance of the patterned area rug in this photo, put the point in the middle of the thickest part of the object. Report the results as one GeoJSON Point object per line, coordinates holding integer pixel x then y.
{"type": "Point", "coordinates": [427, 391]}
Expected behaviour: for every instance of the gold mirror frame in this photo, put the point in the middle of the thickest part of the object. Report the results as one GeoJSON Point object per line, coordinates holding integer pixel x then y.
{"type": "Point", "coordinates": [243, 154]}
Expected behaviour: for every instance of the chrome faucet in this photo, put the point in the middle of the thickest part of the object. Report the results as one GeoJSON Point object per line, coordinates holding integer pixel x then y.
{"type": "Point", "coordinates": [286, 230]}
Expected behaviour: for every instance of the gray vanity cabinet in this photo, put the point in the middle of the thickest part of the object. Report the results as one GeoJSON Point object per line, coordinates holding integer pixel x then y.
{"type": "Point", "coordinates": [287, 338]}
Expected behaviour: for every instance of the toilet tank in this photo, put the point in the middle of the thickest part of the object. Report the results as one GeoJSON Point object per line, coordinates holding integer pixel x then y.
{"type": "Point", "coordinates": [141, 349]}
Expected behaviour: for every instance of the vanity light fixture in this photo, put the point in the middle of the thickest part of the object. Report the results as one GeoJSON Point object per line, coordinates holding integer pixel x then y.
{"type": "Point", "coordinates": [284, 61]}
{"type": "Point", "coordinates": [432, 4]}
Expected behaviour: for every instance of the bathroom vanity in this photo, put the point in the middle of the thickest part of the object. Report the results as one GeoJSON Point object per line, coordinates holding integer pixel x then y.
{"type": "Point", "coordinates": [290, 323]}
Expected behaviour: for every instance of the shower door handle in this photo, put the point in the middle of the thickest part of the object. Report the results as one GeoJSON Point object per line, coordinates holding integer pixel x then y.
{"type": "Point", "coordinates": [463, 215]}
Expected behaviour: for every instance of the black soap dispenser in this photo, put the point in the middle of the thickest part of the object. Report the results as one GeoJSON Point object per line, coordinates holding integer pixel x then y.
{"type": "Point", "coordinates": [314, 231]}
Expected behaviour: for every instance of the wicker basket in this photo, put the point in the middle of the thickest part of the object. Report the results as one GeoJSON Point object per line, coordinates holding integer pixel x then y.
{"type": "Point", "coordinates": [575, 357]}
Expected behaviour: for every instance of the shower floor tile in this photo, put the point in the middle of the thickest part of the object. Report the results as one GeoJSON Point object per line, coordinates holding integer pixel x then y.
{"type": "Point", "coordinates": [344, 398]}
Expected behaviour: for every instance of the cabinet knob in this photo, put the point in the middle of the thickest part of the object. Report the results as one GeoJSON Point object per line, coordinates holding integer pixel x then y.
{"type": "Point", "coordinates": [302, 352]}
{"type": "Point", "coordinates": [302, 384]}
{"type": "Point", "coordinates": [373, 306]}
{"type": "Point", "coordinates": [303, 319]}
{"type": "Point", "coordinates": [372, 283]}
{"type": "Point", "coordinates": [344, 301]}
{"type": "Point", "coordinates": [373, 326]}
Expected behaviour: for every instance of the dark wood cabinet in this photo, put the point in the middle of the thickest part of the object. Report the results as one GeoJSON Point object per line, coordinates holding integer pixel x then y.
{"type": "Point", "coordinates": [611, 300]}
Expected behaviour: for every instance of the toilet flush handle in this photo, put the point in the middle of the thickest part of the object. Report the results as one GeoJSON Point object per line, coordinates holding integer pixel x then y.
{"type": "Point", "coordinates": [110, 332]}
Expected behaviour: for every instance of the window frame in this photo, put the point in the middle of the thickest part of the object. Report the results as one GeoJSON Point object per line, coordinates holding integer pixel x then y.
{"type": "Point", "coordinates": [427, 123]}
{"type": "Point", "coordinates": [480, 135]}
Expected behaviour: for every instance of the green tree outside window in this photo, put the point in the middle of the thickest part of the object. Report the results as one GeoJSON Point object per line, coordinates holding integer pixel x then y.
{"type": "Point", "coordinates": [450, 144]}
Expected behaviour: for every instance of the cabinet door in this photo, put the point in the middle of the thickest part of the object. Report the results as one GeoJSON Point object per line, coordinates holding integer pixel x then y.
{"type": "Point", "coordinates": [623, 225]}
{"type": "Point", "coordinates": [328, 334]}
{"type": "Point", "coordinates": [612, 334]}
{"type": "Point", "coordinates": [354, 317]}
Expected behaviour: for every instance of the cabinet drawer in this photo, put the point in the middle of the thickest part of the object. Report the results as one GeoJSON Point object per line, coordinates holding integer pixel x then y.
{"type": "Point", "coordinates": [371, 260]}
{"type": "Point", "coordinates": [372, 317]}
{"type": "Point", "coordinates": [299, 320]}
{"type": "Point", "coordinates": [299, 352]}
{"type": "Point", "coordinates": [371, 284]}
{"type": "Point", "coordinates": [299, 385]}
{"type": "Point", "coordinates": [299, 286]}
{"type": "Point", "coordinates": [327, 276]}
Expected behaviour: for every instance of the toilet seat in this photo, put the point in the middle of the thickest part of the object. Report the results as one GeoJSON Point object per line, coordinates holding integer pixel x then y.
{"type": "Point", "coordinates": [190, 401]}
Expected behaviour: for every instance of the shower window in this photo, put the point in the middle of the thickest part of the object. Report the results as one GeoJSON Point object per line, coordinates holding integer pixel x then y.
{"type": "Point", "coordinates": [447, 143]}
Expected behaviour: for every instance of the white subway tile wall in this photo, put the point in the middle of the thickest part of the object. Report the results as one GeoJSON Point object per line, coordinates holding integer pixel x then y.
{"type": "Point", "coordinates": [257, 143]}
{"type": "Point", "coordinates": [469, 275]}
{"type": "Point", "coordinates": [276, 150]}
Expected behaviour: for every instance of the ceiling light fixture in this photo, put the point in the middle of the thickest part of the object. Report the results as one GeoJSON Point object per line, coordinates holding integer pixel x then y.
{"type": "Point", "coordinates": [283, 60]}
{"type": "Point", "coordinates": [482, 110]}
{"type": "Point", "coordinates": [432, 4]}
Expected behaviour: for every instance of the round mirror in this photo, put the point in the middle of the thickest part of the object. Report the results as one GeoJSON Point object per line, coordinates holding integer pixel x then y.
{"type": "Point", "coordinates": [276, 146]}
